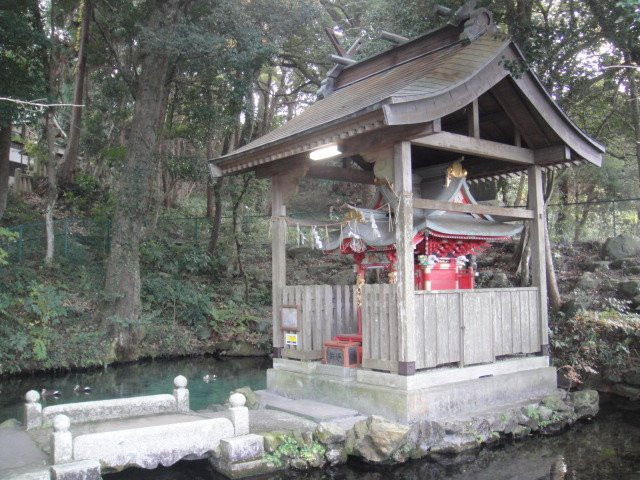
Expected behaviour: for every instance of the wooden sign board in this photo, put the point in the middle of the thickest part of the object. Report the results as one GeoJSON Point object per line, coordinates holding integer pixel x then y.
{"type": "Point", "coordinates": [290, 315]}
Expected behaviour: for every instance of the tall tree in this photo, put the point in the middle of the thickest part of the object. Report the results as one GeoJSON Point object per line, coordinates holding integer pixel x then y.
{"type": "Point", "coordinates": [121, 308]}
{"type": "Point", "coordinates": [68, 166]}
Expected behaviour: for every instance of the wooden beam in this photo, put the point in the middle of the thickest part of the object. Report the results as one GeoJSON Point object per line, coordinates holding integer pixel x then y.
{"type": "Point", "coordinates": [283, 166]}
{"type": "Point", "coordinates": [328, 172]}
{"type": "Point", "coordinates": [554, 154]}
{"type": "Point", "coordinates": [342, 60]}
{"type": "Point", "coordinates": [514, 213]}
{"type": "Point", "coordinates": [393, 37]}
{"type": "Point", "coordinates": [378, 139]}
{"type": "Point", "coordinates": [517, 111]}
{"type": "Point", "coordinates": [473, 119]}
{"type": "Point", "coordinates": [452, 142]}
{"type": "Point", "coordinates": [334, 41]}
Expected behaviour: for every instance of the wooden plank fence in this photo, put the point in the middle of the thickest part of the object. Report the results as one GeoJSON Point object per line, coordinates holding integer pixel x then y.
{"type": "Point", "coordinates": [327, 310]}
{"type": "Point", "coordinates": [463, 327]}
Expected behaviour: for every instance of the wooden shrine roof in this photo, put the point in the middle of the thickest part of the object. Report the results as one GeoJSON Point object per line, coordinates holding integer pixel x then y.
{"type": "Point", "coordinates": [419, 81]}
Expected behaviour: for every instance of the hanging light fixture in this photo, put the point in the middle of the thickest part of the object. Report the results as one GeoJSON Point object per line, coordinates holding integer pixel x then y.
{"type": "Point", "coordinates": [324, 152]}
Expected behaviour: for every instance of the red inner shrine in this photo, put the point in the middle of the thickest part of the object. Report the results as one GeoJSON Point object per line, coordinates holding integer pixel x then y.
{"type": "Point", "coordinates": [443, 260]}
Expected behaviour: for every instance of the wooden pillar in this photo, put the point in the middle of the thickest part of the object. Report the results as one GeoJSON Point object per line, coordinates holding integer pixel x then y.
{"type": "Point", "coordinates": [278, 257]}
{"type": "Point", "coordinates": [537, 243]}
{"type": "Point", "coordinates": [473, 118]}
{"type": "Point", "coordinates": [405, 264]}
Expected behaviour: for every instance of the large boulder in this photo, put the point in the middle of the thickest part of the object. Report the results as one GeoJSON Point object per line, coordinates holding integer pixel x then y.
{"type": "Point", "coordinates": [499, 280]}
{"type": "Point", "coordinates": [463, 435]}
{"type": "Point", "coordinates": [588, 282]}
{"type": "Point", "coordinates": [629, 288]}
{"type": "Point", "coordinates": [423, 436]}
{"type": "Point", "coordinates": [586, 403]}
{"type": "Point", "coordinates": [377, 440]}
{"type": "Point", "coordinates": [622, 246]}
{"type": "Point", "coordinates": [632, 376]}
{"type": "Point", "coordinates": [330, 434]}
{"type": "Point", "coordinates": [345, 277]}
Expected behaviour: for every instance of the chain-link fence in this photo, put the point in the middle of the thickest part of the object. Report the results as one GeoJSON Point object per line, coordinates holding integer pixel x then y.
{"type": "Point", "coordinates": [81, 239]}
{"type": "Point", "coordinates": [593, 221]}
{"type": "Point", "coordinates": [88, 239]}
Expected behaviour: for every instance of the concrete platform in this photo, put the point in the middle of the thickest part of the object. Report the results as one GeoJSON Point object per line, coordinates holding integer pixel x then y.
{"type": "Point", "coordinates": [19, 454]}
{"type": "Point", "coordinates": [312, 410]}
{"type": "Point", "coordinates": [433, 394]}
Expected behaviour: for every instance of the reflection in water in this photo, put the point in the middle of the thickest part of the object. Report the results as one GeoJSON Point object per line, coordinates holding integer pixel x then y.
{"type": "Point", "coordinates": [145, 378]}
{"type": "Point", "coordinates": [606, 449]}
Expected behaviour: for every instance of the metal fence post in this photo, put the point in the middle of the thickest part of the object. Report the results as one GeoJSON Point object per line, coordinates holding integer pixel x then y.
{"type": "Point", "coordinates": [66, 237]}
{"type": "Point", "coordinates": [21, 244]}
{"type": "Point", "coordinates": [105, 236]}
{"type": "Point", "coordinates": [196, 238]}
{"type": "Point", "coordinates": [613, 207]}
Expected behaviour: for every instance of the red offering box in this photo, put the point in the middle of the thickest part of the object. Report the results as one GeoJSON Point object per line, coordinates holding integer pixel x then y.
{"type": "Point", "coordinates": [342, 353]}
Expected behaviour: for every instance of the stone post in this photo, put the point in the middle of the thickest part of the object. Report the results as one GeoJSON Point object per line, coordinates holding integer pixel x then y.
{"type": "Point", "coordinates": [239, 414]}
{"type": "Point", "coordinates": [32, 410]}
{"type": "Point", "coordinates": [61, 440]}
{"type": "Point", "coordinates": [181, 394]}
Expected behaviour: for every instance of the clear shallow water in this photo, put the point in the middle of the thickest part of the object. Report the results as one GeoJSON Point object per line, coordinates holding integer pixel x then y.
{"type": "Point", "coordinates": [605, 449]}
{"type": "Point", "coordinates": [145, 378]}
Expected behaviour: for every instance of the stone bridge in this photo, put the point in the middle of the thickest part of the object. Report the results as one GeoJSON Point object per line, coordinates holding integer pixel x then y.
{"type": "Point", "coordinates": [83, 440]}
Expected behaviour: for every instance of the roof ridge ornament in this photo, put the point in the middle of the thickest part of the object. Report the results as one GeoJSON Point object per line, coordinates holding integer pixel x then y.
{"type": "Point", "coordinates": [342, 59]}
{"type": "Point", "coordinates": [455, 170]}
{"type": "Point", "coordinates": [477, 21]}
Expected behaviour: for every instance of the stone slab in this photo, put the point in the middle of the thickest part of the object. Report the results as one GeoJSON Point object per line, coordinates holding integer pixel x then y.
{"type": "Point", "coordinates": [242, 448]}
{"type": "Point", "coordinates": [150, 447]}
{"type": "Point", "coordinates": [337, 371]}
{"type": "Point", "coordinates": [310, 409]}
{"type": "Point", "coordinates": [445, 376]}
{"type": "Point", "coordinates": [112, 409]}
{"type": "Point", "coordinates": [84, 470]}
{"type": "Point", "coordinates": [245, 469]}
{"type": "Point", "coordinates": [19, 451]}
{"type": "Point", "coordinates": [262, 421]}
{"type": "Point", "coordinates": [41, 473]}
{"type": "Point", "coordinates": [41, 435]}
{"type": "Point", "coordinates": [295, 365]}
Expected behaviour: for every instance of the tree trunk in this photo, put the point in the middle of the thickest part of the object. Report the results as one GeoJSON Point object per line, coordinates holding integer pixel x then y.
{"type": "Point", "coordinates": [5, 151]}
{"type": "Point", "coordinates": [237, 231]}
{"type": "Point", "coordinates": [555, 302]}
{"type": "Point", "coordinates": [635, 114]}
{"type": "Point", "coordinates": [52, 186]}
{"type": "Point", "coordinates": [552, 284]}
{"type": "Point", "coordinates": [216, 216]}
{"type": "Point", "coordinates": [67, 169]}
{"type": "Point", "coordinates": [120, 311]}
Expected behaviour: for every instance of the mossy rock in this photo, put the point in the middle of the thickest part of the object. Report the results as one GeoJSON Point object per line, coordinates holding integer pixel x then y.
{"type": "Point", "coordinates": [253, 403]}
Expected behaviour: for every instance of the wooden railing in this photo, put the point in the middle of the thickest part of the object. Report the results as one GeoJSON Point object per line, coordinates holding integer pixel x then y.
{"type": "Point", "coordinates": [452, 326]}
{"type": "Point", "coordinates": [326, 310]}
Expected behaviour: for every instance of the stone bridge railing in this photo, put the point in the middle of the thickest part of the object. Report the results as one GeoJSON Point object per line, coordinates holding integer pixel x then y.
{"type": "Point", "coordinates": [35, 416]}
{"type": "Point", "coordinates": [145, 447]}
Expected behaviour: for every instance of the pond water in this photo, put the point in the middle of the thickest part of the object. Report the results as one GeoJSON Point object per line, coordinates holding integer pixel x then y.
{"type": "Point", "coordinates": [144, 378]}
{"type": "Point", "coordinates": [607, 448]}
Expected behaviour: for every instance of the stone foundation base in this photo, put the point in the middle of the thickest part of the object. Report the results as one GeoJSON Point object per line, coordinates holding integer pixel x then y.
{"type": "Point", "coordinates": [433, 394]}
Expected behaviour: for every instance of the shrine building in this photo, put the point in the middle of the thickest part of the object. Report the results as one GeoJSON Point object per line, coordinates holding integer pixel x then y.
{"type": "Point", "coordinates": [423, 121]}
